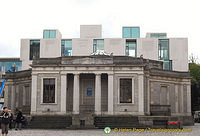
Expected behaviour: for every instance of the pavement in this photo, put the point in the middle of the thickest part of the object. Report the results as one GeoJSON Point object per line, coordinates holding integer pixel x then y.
{"type": "Point", "coordinates": [186, 131]}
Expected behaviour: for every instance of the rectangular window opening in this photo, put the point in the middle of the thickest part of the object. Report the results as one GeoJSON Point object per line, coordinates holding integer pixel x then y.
{"type": "Point", "coordinates": [49, 90]}
{"type": "Point", "coordinates": [66, 47]}
{"type": "Point", "coordinates": [131, 48]}
{"type": "Point", "coordinates": [98, 45]}
{"type": "Point", "coordinates": [47, 34]}
{"type": "Point", "coordinates": [34, 49]}
{"type": "Point", "coordinates": [126, 90]}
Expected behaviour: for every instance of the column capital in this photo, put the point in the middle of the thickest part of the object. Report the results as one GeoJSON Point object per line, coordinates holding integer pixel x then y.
{"type": "Point", "coordinates": [76, 73]}
{"type": "Point", "coordinates": [98, 74]}
{"type": "Point", "coordinates": [110, 74]}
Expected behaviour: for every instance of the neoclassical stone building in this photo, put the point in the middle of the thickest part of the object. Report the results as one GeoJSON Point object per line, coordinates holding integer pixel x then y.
{"type": "Point", "coordinates": [91, 79]}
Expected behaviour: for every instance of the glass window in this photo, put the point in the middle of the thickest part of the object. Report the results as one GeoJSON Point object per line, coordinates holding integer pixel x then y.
{"type": "Point", "coordinates": [98, 45]}
{"type": "Point", "coordinates": [131, 32]}
{"type": "Point", "coordinates": [167, 64]}
{"type": "Point", "coordinates": [66, 47]}
{"type": "Point", "coordinates": [158, 35]}
{"type": "Point", "coordinates": [10, 66]}
{"type": "Point", "coordinates": [49, 34]}
{"type": "Point", "coordinates": [126, 90]}
{"type": "Point", "coordinates": [131, 48]}
{"type": "Point", "coordinates": [163, 49]}
{"type": "Point", "coordinates": [49, 90]}
{"type": "Point", "coordinates": [34, 49]}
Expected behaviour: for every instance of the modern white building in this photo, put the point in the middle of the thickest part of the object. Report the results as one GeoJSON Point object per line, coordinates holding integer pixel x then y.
{"type": "Point", "coordinates": [90, 78]}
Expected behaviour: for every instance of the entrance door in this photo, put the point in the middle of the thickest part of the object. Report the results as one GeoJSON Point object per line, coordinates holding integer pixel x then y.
{"type": "Point", "coordinates": [87, 93]}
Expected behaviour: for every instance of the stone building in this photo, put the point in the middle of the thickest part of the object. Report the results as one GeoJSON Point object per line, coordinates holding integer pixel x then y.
{"type": "Point", "coordinates": [89, 80]}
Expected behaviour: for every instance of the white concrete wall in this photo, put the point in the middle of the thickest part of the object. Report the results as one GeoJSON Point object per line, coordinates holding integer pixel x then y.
{"type": "Point", "coordinates": [179, 53]}
{"type": "Point", "coordinates": [148, 47]}
{"type": "Point", "coordinates": [82, 47]}
{"type": "Point", "coordinates": [24, 53]}
{"type": "Point", "coordinates": [50, 48]}
{"type": "Point", "coordinates": [90, 31]}
{"type": "Point", "coordinates": [115, 46]}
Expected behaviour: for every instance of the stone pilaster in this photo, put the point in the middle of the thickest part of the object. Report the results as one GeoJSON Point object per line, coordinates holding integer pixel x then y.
{"type": "Point", "coordinates": [76, 93]}
{"type": "Point", "coordinates": [110, 93]}
{"type": "Point", "coordinates": [34, 94]}
{"type": "Point", "coordinates": [63, 92]}
{"type": "Point", "coordinates": [98, 94]}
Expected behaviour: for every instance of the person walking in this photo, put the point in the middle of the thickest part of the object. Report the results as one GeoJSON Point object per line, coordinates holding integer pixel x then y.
{"type": "Point", "coordinates": [5, 119]}
{"type": "Point", "coordinates": [11, 119]}
{"type": "Point", "coordinates": [18, 123]}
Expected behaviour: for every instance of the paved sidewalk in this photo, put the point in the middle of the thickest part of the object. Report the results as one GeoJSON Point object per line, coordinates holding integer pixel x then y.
{"type": "Point", "coordinates": [99, 132]}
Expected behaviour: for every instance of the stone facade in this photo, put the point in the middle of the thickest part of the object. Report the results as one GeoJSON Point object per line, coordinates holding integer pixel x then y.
{"type": "Point", "coordinates": [86, 88]}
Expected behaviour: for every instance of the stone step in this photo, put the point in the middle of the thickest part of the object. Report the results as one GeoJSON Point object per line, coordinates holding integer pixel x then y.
{"type": "Point", "coordinates": [116, 122]}
{"type": "Point", "coordinates": [50, 122]}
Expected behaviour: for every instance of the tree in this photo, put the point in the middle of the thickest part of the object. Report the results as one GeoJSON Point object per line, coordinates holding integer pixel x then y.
{"type": "Point", "coordinates": [195, 88]}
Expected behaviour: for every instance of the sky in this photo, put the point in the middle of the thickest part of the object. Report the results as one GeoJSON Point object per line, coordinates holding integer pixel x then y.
{"type": "Point", "coordinates": [21, 19]}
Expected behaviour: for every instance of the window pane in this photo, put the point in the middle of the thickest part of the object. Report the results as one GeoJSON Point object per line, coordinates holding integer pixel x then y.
{"type": "Point", "coordinates": [66, 47]}
{"type": "Point", "coordinates": [158, 35]}
{"type": "Point", "coordinates": [131, 48]}
{"type": "Point", "coordinates": [125, 90]}
{"type": "Point", "coordinates": [49, 34]}
{"type": "Point", "coordinates": [135, 32]}
{"type": "Point", "coordinates": [98, 45]}
{"type": "Point", "coordinates": [167, 64]}
{"type": "Point", "coordinates": [131, 32]}
{"type": "Point", "coordinates": [163, 49]}
{"type": "Point", "coordinates": [49, 90]}
{"type": "Point", "coordinates": [52, 34]}
{"type": "Point", "coordinates": [46, 34]}
{"type": "Point", "coordinates": [34, 49]}
{"type": "Point", "coordinates": [126, 32]}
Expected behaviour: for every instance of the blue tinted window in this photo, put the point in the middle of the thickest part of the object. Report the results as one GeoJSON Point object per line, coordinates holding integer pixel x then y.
{"type": "Point", "coordinates": [66, 47]}
{"type": "Point", "coordinates": [34, 49]}
{"type": "Point", "coordinates": [158, 35]}
{"type": "Point", "coordinates": [98, 45]}
{"type": "Point", "coordinates": [10, 66]}
{"type": "Point", "coordinates": [163, 49]}
{"type": "Point", "coordinates": [167, 64]}
{"type": "Point", "coordinates": [49, 34]}
{"type": "Point", "coordinates": [131, 32]}
{"type": "Point", "coordinates": [131, 48]}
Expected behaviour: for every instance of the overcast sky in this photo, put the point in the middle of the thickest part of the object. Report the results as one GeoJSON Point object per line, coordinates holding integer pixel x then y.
{"type": "Point", "coordinates": [27, 19]}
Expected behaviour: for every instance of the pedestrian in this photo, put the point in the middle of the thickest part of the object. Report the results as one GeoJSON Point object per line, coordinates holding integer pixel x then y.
{"type": "Point", "coordinates": [18, 123]}
{"type": "Point", "coordinates": [11, 119]}
{"type": "Point", "coordinates": [24, 121]}
{"type": "Point", "coordinates": [5, 119]}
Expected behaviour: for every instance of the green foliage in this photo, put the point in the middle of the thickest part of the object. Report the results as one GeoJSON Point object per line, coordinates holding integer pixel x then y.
{"type": "Point", "coordinates": [195, 88]}
{"type": "Point", "coordinates": [195, 73]}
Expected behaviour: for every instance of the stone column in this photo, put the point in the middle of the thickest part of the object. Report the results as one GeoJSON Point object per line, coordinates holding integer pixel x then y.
{"type": "Point", "coordinates": [34, 94]}
{"type": "Point", "coordinates": [189, 98]}
{"type": "Point", "coordinates": [13, 98]}
{"type": "Point", "coordinates": [176, 98]}
{"type": "Point", "coordinates": [76, 94]}
{"type": "Point", "coordinates": [110, 93]}
{"type": "Point", "coordinates": [5, 89]}
{"type": "Point", "coordinates": [181, 98]}
{"type": "Point", "coordinates": [141, 94]}
{"type": "Point", "coordinates": [63, 92]}
{"type": "Point", "coordinates": [24, 96]}
{"type": "Point", "coordinates": [17, 96]}
{"type": "Point", "coordinates": [98, 94]}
